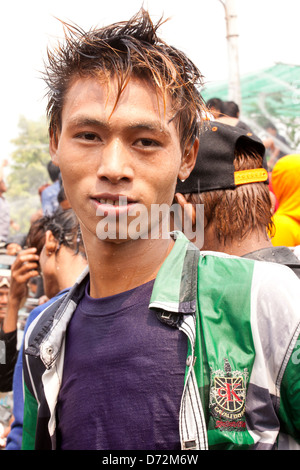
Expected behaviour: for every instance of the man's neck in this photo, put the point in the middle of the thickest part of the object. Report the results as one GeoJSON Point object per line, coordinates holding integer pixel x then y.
{"type": "Point", "coordinates": [248, 245]}
{"type": "Point", "coordinates": [253, 242]}
{"type": "Point", "coordinates": [118, 267]}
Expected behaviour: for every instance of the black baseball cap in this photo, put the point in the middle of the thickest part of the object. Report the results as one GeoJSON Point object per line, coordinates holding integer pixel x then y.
{"type": "Point", "coordinates": [214, 167]}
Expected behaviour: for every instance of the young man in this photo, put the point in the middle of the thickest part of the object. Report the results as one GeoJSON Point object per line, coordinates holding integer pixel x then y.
{"type": "Point", "coordinates": [143, 353]}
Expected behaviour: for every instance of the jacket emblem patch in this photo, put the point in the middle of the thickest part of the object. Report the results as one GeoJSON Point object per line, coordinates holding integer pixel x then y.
{"type": "Point", "coordinates": [227, 397]}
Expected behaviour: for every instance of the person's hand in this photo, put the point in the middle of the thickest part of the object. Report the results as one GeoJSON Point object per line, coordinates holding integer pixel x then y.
{"type": "Point", "coordinates": [24, 268]}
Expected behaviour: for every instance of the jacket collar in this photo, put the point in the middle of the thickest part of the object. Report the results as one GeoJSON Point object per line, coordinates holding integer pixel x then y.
{"type": "Point", "coordinates": [175, 287]}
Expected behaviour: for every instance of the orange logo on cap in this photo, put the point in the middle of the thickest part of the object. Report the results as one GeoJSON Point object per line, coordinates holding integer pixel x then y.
{"type": "Point", "coordinates": [256, 175]}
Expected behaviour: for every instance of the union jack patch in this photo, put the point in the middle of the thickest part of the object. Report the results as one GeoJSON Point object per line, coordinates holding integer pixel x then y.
{"type": "Point", "coordinates": [227, 396]}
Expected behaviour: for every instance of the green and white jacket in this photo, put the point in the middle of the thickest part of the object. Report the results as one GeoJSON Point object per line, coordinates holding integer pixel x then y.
{"type": "Point", "coordinates": [242, 321]}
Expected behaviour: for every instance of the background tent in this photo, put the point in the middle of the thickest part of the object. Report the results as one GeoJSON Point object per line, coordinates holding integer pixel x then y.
{"type": "Point", "coordinates": [272, 94]}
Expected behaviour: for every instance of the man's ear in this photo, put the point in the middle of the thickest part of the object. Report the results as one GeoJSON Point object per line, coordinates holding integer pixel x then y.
{"type": "Point", "coordinates": [53, 147]}
{"type": "Point", "coordinates": [188, 160]}
{"type": "Point", "coordinates": [51, 244]}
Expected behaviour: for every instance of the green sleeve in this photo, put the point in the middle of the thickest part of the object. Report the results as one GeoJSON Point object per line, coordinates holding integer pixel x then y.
{"type": "Point", "coordinates": [29, 421]}
{"type": "Point", "coordinates": [289, 410]}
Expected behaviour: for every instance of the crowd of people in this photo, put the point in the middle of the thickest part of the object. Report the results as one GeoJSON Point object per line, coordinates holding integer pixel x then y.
{"type": "Point", "coordinates": [184, 342]}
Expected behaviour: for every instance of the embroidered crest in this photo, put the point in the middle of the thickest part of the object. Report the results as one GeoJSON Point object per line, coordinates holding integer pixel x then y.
{"type": "Point", "coordinates": [227, 396]}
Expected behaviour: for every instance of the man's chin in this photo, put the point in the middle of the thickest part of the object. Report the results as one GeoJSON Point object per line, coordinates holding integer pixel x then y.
{"type": "Point", "coordinates": [119, 238]}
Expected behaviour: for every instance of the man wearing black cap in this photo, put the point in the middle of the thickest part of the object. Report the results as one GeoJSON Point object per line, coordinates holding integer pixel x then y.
{"type": "Point", "coordinates": [230, 178]}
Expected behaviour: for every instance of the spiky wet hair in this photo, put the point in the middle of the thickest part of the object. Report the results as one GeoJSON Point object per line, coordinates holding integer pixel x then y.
{"type": "Point", "coordinates": [123, 50]}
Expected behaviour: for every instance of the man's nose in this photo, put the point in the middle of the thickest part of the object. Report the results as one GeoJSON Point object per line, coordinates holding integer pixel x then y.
{"type": "Point", "coordinates": [115, 162]}
{"type": "Point", "coordinates": [4, 299]}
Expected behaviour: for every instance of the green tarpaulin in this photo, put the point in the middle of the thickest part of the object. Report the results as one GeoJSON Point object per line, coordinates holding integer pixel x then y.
{"type": "Point", "coordinates": [269, 94]}
{"type": "Point", "coordinates": [275, 90]}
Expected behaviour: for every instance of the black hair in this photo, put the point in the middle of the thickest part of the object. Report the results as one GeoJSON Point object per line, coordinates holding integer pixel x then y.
{"type": "Point", "coordinates": [216, 103]}
{"type": "Point", "coordinates": [123, 50]}
{"type": "Point", "coordinates": [61, 196]}
{"type": "Point", "coordinates": [230, 108]}
{"type": "Point", "coordinates": [53, 171]}
{"type": "Point", "coordinates": [65, 228]}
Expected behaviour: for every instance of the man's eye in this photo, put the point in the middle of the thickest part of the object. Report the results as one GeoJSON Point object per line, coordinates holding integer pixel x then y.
{"type": "Point", "coordinates": [148, 143]}
{"type": "Point", "coordinates": [90, 136]}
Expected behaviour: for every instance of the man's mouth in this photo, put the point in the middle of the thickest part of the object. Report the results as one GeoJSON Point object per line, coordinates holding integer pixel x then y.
{"type": "Point", "coordinates": [123, 201]}
{"type": "Point", "coordinates": [113, 204]}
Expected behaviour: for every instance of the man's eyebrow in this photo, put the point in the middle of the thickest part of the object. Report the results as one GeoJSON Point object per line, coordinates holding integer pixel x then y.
{"type": "Point", "coordinates": [86, 121]}
{"type": "Point", "coordinates": [153, 126]}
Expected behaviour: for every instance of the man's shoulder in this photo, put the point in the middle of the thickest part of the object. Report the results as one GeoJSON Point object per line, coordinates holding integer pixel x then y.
{"type": "Point", "coordinates": [56, 315]}
{"type": "Point", "coordinates": [278, 283]}
{"type": "Point", "coordinates": [41, 319]}
{"type": "Point", "coordinates": [43, 307]}
{"type": "Point", "coordinates": [281, 255]}
{"type": "Point", "coordinates": [269, 272]}
{"type": "Point", "coordinates": [222, 258]}
{"type": "Point", "coordinates": [273, 289]}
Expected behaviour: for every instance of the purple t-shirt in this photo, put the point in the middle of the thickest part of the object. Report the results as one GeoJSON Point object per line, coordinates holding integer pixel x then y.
{"type": "Point", "coordinates": [123, 376]}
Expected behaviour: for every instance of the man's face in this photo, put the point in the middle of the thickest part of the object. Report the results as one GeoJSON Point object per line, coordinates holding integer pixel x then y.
{"type": "Point", "coordinates": [130, 152]}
